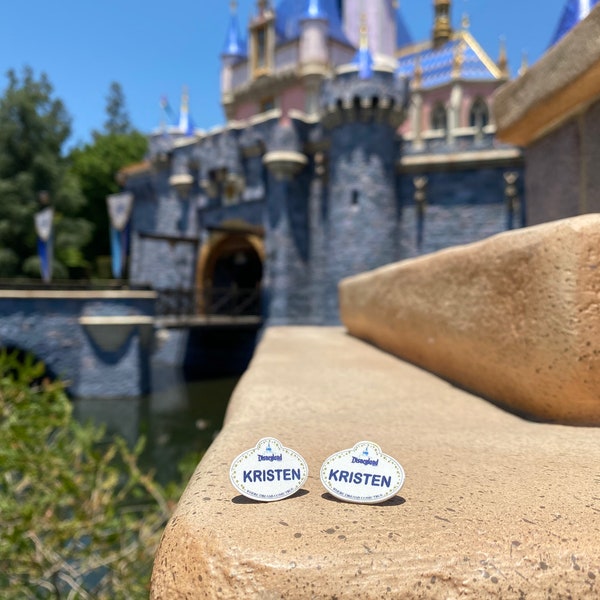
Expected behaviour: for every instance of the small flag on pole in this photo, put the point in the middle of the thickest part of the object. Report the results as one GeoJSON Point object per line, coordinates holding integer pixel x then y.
{"type": "Point", "coordinates": [119, 211]}
{"type": "Point", "coordinates": [43, 228]}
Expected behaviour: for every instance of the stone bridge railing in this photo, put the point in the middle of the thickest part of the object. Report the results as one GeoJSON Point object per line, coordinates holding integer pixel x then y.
{"type": "Point", "coordinates": [227, 301]}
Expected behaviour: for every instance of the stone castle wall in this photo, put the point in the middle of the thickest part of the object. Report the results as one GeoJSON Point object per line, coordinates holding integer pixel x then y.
{"type": "Point", "coordinates": [99, 342]}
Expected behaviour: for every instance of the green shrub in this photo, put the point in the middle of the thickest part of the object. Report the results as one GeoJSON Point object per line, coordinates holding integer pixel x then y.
{"type": "Point", "coordinates": [78, 517]}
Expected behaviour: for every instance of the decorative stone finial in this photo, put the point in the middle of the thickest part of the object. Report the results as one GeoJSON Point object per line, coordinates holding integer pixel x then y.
{"type": "Point", "coordinates": [458, 59]}
{"type": "Point", "coordinates": [524, 64]}
{"type": "Point", "coordinates": [503, 59]}
{"type": "Point", "coordinates": [364, 32]}
{"type": "Point", "coordinates": [442, 30]}
{"type": "Point", "coordinates": [184, 110]}
{"type": "Point", "coordinates": [418, 75]}
{"type": "Point", "coordinates": [363, 58]}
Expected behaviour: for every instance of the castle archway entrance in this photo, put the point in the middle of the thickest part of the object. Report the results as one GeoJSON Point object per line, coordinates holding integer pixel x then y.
{"type": "Point", "coordinates": [230, 272]}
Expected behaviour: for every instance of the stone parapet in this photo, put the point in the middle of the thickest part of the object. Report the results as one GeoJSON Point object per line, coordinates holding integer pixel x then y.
{"type": "Point", "coordinates": [493, 506]}
{"type": "Point", "coordinates": [563, 82]}
{"type": "Point", "coordinates": [516, 317]}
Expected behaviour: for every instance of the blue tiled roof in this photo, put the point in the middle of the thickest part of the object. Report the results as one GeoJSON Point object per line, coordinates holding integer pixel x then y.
{"type": "Point", "coordinates": [289, 13]}
{"type": "Point", "coordinates": [235, 44]}
{"type": "Point", "coordinates": [574, 11]}
{"type": "Point", "coordinates": [437, 64]}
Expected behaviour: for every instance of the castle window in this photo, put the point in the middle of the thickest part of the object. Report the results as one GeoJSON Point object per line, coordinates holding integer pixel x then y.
{"type": "Point", "coordinates": [479, 116]}
{"type": "Point", "coordinates": [355, 198]}
{"type": "Point", "coordinates": [439, 117]}
{"type": "Point", "coordinates": [262, 46]}
{"type": "Point", "coordinates": [267, 104]}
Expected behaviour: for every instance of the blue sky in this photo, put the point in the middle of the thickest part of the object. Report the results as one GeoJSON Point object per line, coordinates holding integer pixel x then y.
{"type": "Point", "coordinates": [154, 48]}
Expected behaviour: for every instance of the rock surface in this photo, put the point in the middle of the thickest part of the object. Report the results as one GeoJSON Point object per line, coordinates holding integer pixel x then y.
{"type": "Point", "coordinates": [493, 506]}
{"type": "Point", "coordinates": [515, 318]}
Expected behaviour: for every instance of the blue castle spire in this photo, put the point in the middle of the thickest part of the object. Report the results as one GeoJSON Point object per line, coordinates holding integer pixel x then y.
{"type": "Point", "coordinates": [289, 14]}
{"type": "Point", "coordinates": [234, 42]}
{"type": "Point", "coordinates": [574, 11]}
{"type": "Point", "coordinates": [363, 59]}
{"type": "Point", "coordinates": [315, 10]}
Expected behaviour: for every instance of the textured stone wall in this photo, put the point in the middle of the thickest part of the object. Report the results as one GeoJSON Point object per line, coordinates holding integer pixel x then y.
{"type": "Point", "coordinates": [50, 329]}
{"type": "Point", "coordinates": [462, 207]}
{"type": "Point", "coordinates": [553, 190]}
{"type": "Point", "coordinates": [591, 156]}
{"type": "Point", "coordinates": [288, 251]}
{"type": "Point", "coordinates": [363, 210]}
{"type": "Point", "coordinates": [562, 174]}
{"type": "Point", "coordinates": [158, 211]}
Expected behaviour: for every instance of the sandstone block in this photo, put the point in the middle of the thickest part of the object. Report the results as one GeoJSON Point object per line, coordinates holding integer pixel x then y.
{"type": "Point", "coordinates": [515, 318]}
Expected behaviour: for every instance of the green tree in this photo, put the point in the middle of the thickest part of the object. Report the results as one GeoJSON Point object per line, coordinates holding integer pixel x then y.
{"type": "Point", "coordinates": [78, 517]}
{"type": "Point", "coordinates": [96, 165]}
{"type": "Point", "coordinates": [117, 121]}
{"type": "Point", "coordinates": [33, 129]}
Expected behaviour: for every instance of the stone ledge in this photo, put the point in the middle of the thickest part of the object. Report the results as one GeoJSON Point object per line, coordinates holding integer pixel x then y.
{"type": "Point", "coordinates": [77, 294]}
{"type": "Point", "coordinates": [516, 318]}
{"type": "Point", "coordinates": [561, 83]}
{"type": "Point", "coordinates": [493, 506]}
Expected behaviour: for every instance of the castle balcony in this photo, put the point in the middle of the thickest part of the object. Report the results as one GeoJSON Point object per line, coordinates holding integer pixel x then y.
{"type": "Point", "coordinates": [468, 146]}
{"type": "Point", "coordinates": [206, 305]}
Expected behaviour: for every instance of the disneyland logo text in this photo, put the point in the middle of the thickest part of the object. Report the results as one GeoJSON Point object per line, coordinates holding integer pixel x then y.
{"type": "Point", "coordinates": [365, 461]}
{"type": "Point", "coordinates": [274, 457]}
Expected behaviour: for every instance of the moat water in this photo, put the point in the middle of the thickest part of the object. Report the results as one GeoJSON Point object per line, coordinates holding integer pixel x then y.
{"type": "Point", "coordinates": [180, 418]}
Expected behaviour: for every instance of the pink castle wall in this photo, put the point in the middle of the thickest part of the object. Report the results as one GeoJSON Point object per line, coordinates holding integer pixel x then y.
{"type": "Point", "coordinates": [293, 98]}
{"type": "Point", "coordinates": [471, 91]}
{"type": "Point", "coordinates": [247, 110]}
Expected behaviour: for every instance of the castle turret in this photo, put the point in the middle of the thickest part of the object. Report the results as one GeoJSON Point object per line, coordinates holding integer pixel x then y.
{"type": "Point", "coordinates": [262, 40]}
{"type": "Point", "coordinates": [314, 52]}
{"type": "Point", "coordinates": [287, 226]}
{"type": "Point", "coordinates": [234, 50]}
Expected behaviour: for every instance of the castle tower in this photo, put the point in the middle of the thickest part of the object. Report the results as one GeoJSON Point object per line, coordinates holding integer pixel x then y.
{"type": "Point", "coordinates": [262, 40]}
{"type": "Point", "coordinates": [233, 51]}
{"type": "Point", "coordinates": [314, 52]}
{"type": "Point", "coordinates": [287, 226]}
{"type": "Point", "coordinates": [363, 108]}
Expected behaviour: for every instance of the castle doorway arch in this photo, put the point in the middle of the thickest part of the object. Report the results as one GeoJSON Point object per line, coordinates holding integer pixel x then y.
{"type": "Point", "coordinates": [230, 272]}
